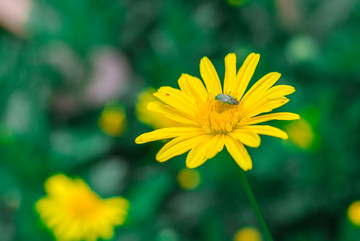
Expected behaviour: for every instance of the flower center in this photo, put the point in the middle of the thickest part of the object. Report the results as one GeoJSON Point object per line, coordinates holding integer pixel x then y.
{"type": "Point", "coordinates": [84, 205]}
{"type": "Point", "coordinates": [218, 117]}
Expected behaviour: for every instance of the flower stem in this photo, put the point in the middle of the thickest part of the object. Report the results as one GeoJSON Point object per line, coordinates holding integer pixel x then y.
{"type": "Point", "coordinates": [254, 205]}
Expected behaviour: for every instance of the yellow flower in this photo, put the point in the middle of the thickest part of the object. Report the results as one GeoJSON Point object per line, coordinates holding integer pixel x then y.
{"type": "Point", "coordinates": [247, 234]}
{"type": "Point", "coordinates": [74, 212]}
{"type": "Point", "coordinates": [152, 119]}
{"type": "Point", "coordinates": [112, 120]}
{"type": "Point", "coordinates": [188, 179]}
{"type": "Point", "coordinates": [208, 122]}
{"type": "Point", "coordinates": [353, 213]}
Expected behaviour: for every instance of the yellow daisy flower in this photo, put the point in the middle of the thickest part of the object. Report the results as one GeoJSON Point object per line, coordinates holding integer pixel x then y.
{"type": "Point", "coordinates": [74, 212]}
{"type": "Point", "coordinates": [210, 121]}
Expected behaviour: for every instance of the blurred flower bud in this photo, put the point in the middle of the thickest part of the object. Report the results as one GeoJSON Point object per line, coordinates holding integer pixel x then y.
{"type": "Point", "coordinates": [301, 133]}
{"type": "Point", "coordinates": [247, 234]}
{"type": "Point", "coordinates": [112, 120]}
{"type": "Point", "coordinates": [188, 179]}
{"type": "Point", "coordinates": [353, 213]}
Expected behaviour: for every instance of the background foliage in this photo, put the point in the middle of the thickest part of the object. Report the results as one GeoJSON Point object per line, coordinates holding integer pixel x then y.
{"type": "Point", "coordinates": [78, 56]}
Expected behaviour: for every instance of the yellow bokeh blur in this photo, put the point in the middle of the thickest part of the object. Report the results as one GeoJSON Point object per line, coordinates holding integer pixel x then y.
{"type": "Point", "coordinates": [112, 120]}
{"type": "Point", "coordinates": [353, 213]}
{"type": "Point", "coordinates": [301, 133]}
{"type": "Point", "coordinates": [150, 118]}
{"type": "Point", "coordinates": [188, 179]}
{"type": "Point", "coordinates": [248, 234]}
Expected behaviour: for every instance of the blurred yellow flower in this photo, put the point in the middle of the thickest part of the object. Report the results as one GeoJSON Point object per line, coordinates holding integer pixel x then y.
{"type": "Point", "coordinates": [353, 213]}
{"type": "Point", "coordinates": [211, 117]}
{"type": "Point", "coordinates": [112, 120]}
{"type": "Point", "coordinates": [300, 133]}
{"type": "Point", "coordinates": [74, 212]}
{"type": "Point", "coordinates": [247, 234]}
{"type": "Point", "coordinates": [152, 119]}
{"type": "Point", "coordinates": [188, 179]}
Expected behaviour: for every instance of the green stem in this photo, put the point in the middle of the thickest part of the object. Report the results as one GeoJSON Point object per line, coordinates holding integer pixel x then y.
{"type": "Point", "coordinates": [252, 200]}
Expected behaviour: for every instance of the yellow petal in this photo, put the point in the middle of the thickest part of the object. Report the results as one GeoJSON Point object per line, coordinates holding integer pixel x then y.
{"type": "Point", "coordinates": [266, 106]}
{"type": "Point", "coordinates": [73, 231]}
{"type": "Point", "coordinates": [273, 116]}
{"type": "Point", "coordinates": [177, 99]}
{"type": "Point", "coordinates": [216, 145]}
{"type": "Point", "coordinates": [267, 130]}
{"type": "Point", "coordinates": [245, 73]}
{"type": "Point", "coordinates": [210, 77]}
{"type": "Point", "coordinates": [177, 147]}
{"type": "Point", "coordinates": [171, 113]}
{"type": "Point", "coordinates": [230, 73]}
{"type": "Point", "coordinates": [199, 154]}
{"type": "Point", "coordinates": [166, 133]}
{"type": "Point", "coordinates": [58, 185]}
{"type": "Point", "coordinates": [261, 86]}
{"type": "Point", "coordinates": [276, 92]}
{"type": "Point", "coordinates": [238, 152]}
{"type": "Point", "coordinates": [116, 208]}
{"type": "Point", "coordinates": [193, 86]}
{"type": "Point", "coordinates": [280, 91]}
{"type": "Point", "coordinates": [248, 138]}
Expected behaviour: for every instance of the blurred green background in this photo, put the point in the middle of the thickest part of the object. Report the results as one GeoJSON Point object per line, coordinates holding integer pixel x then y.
{"type": "Point", "coordinates": [63, 63]}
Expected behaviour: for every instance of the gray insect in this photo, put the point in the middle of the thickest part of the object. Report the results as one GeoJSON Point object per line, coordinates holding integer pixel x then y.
{"type": "Point", "coordinates": [227, 99]}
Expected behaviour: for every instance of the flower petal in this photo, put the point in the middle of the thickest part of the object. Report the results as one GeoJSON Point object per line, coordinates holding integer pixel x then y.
{"type": "Point", "coordinates": [238, 152]}
{"type": "Point", "coordinates": [279, 91]}
{"type": "Point", "coordinates": [230, 73]}
{"type": "Point", "coordinates": [245, 73]}
{"type": "Point", "coordinates": [171, 113]}
{"type": "Point", "coordinates": [177, 99]}
{"type": "Point", "coordinates": [247, 137]}
{"type": "Point", "coordinates": [210, 77]}
{"type": "Point", "coordinates": [267, 130]}
{"type": "Point", "coordinates": [166, 133]}
{"type": "Point", "coordinates": [216, 145]}
{"type": "Point", "coordinates": [177, 147]}
{"type": "Point", "coordinates": [199, 154]}
{"type": "Point", "coordinates": [193, 86]}
{"type": "Point", "coordinates": [267, 101]}
{"type": "Point", "coordinates": [273, 116]}
{"type": "Point", "coordinates": [265, 106]}
{"type": "Point", "coordinates": [261, 86]}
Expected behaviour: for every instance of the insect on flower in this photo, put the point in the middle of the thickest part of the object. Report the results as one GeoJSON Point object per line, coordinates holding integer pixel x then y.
{"type": "Point", "coordinates": [227, 99]}
{"type": "Point", "coordinates": [210, 116]}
